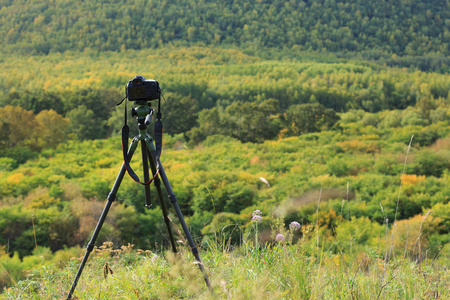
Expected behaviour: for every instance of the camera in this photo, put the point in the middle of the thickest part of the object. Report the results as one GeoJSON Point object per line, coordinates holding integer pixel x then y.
{"type": "Point", "coordinates": [141, 89]}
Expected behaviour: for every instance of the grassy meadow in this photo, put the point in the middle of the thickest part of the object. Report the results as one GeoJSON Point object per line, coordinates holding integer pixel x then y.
{"type": "Point", "coordinates": [303, 269]}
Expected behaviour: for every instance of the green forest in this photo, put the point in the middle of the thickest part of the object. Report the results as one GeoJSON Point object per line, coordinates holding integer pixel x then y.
{"type": "Point", "coordinates": [333, 114]}
{"type": "Point", "coordinates": [376, 28]}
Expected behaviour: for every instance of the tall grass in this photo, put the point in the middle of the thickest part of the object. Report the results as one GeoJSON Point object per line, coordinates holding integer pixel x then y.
{"type": "Point", "coordinates": [303, 269]}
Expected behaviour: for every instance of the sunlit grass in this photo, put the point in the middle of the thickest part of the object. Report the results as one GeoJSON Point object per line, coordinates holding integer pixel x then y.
{"type": "Point", "coordinates": [278, 270]}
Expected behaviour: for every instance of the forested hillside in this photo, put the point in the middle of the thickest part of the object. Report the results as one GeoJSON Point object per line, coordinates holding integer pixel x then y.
{"type": "Point", "coordinates": [375, 28]}
{"type": "Point", "coordinates": [335, 114]}
{"type": "Point", "coordinates": [208, 91]}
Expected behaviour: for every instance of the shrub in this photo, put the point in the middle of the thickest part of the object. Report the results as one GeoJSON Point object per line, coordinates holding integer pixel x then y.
{"type": "Point", "coordinates": [428, 163]}
{"type": "Point", "coordinates": [411, 117]}
{"type": "Point", "coordinates": [391, 120]}
{"type": "Point", "coordinates": [337, 167]}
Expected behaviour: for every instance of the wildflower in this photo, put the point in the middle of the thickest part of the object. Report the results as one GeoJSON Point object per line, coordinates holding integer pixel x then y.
{"type": "Point", "coordinates": [154, 258]}
{"type": "Point", "coordinates": [256, 213]}
{"type": "Point", "coordinates": [257, 219]}
{"type": "Point", "coordinates": [280, 238]}
{"type": "Point", "coordinates": [294, 226]}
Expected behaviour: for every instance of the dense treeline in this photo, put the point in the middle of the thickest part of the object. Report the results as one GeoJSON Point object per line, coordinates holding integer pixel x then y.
{"type": "Point", "coordinates": [245, 97]}
{"type": "Point", "coordinates": [405, 28]}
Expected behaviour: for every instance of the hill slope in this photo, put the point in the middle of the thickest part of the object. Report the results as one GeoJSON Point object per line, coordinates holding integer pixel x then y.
{"type": "Point", "coordinates": [402, 27]}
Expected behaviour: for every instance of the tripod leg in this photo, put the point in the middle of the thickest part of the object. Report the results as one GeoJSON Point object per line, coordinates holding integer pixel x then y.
{"type": "Point", "coordinates": [111, 198]}
{"type": "Point", "coordinates": [148, 202]}
{"type": "Point", "coordinates": [161, 199]}
{"type": "Point", "coordinates": [173, 200]}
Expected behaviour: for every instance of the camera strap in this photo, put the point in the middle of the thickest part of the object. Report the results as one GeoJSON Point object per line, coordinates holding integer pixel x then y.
{"type": "Point", "coordinates": [125, 136]}
{"type": "Point", "coordinates": [158, 137]}
{"type": "Point", "coordinates": [126, 159]}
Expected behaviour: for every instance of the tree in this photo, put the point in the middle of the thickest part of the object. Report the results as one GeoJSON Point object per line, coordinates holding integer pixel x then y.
{"type": "Point", "coordinates": [428, 163]}
{"type": "Point", "coordinates": [246, 121]}
{"type": "Point", "coordinates": [411, 117]}
{"type": "Point", "coordinates": [52, 128]}
{"type": "Point", "coordinates": [305, 118]}
{"type": "Point", "coordinates": [83, 124]}
{"type": "Point", "coordinates": [179, 114]}
{"type": "Point", "coordinates": [17, 127]}
{"type": "Point", "coordinates": [36, 101]}
{"type": "Point", "coordinates": [252, 122]}
{"type": "Point", "coordinates": [209, 121]}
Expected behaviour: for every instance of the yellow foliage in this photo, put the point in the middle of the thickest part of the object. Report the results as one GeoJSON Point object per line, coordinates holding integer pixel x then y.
{"type": "Point", "coordinates": [245, 176]}
{"type": "Point", "coordinates": [85, 82]}
{"type": "Point", "coordinates": [411, 179]}
{"type": "Point", "coordinates": [15, 178]}
{"type": "Point", "coordinates": [282, 133]}
{"type": "Point", "coordinates": [320, 179]}
{"type": "Point", "coordinates": [105, 162]}
{"type": "Point", "coordinates": [411, 236]}
{"type": "Point", "coordinates": [51, 127]}
{"type": "Point", "coordinates": [55, 178]}
{"type": "Point", "coordinates": [128, 75]}
{"type": "Point", "coordinates": [21, 121]}
{"type": "Point", "coordinates": [271, 143]}
{"type": "Point", "coordinates": [40, 198]}
{"type": "Point", "coordinates": [328, 219]}
{"type": "Point", "coordinates": [44, 201]}
{"type": "Point", "coordinates": [176, 166]}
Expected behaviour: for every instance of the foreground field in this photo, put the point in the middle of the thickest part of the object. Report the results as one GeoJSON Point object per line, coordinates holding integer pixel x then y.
{"type": "Point", "coordinates": [284, 270]}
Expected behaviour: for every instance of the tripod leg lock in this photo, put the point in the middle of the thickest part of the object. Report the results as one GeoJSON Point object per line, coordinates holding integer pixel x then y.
{"type": "Point", "coordinates": [111, 197]}
{"type": "Point", "coordinates": [166, 220]}
{"type": "Point", "coordinates": [194, 251]}
{"type": "Point", "coordinates": [172, 198]}
{"type": "Point", "coordinates": [90, 247]}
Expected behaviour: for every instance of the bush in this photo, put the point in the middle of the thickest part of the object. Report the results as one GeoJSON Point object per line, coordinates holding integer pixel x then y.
{"type": "Point", "coordinates": [7, 164]}
{"type": "Point", "coordinates": [307, 118]}
{"type": "Point", "coordinates": [440, 115]}
{"type": "Point", "coordinates": [426, 136]}
{"type": "Point", "coordinates": [226, 197]}
{"type": "Point", "coordinates": [391, 120]}
{"type": "Point", "coordinates": [428, 163]}
{"type": "Point", "coordinates": [338, 167]}
{"type": "Point", "coordinates": [411, 117]}
{"type": "Point", "coordinates": [11, 271]}
{"type": "Point", "coordinates": [19, 154]}
{"type": "Point", "coordinates": [387, 165]}
{"type": "Point", "coordinates": [352, 116]}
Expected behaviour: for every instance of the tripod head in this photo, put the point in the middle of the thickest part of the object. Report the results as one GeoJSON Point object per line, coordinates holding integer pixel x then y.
{"type": "Point", "coordinates": [143, 113]}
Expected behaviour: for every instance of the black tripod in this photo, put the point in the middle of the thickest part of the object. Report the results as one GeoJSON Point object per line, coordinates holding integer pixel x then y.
{"type": "Point", "coordinates": [151, 154]}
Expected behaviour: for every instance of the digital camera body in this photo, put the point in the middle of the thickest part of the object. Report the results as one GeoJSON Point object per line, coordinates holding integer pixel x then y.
{"type": "Point", "coordinates": [140, 89]}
